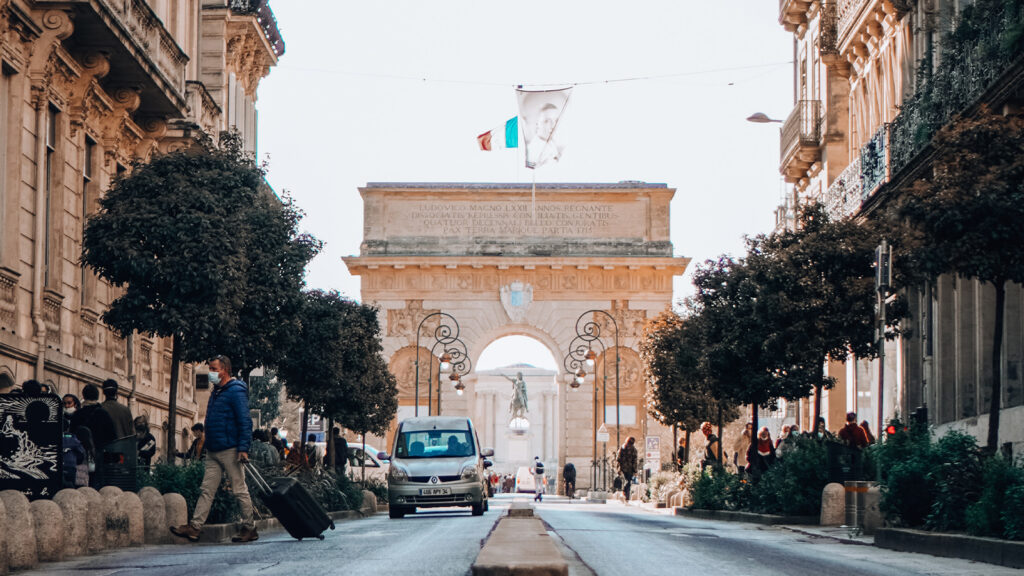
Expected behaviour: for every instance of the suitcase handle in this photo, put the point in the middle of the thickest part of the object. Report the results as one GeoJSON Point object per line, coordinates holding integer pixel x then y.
{"type": "Point", "coordinates": [257, 479]}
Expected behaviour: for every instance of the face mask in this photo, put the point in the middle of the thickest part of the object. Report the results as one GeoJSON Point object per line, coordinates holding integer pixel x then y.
{"type": "Point", "coordinates": [214, 378]}
{"type": "Point", "coordinates": [69, 411]}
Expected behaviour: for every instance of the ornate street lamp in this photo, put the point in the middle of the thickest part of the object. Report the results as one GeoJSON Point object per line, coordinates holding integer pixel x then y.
{"type": "Point", "coordinates": [453, 356]}
{"type": "Point", "coordinates": [581, 353]}
{"type": "Point", "coordinates": [589, 332]}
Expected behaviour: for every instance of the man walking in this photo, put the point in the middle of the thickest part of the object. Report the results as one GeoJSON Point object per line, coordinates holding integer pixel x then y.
{"type": "Point", "coordinates": [123, 422]}
{"type": "Point", "coordinates": [228, 438]}
{"type": "Point", "coordinates": [538, 479]}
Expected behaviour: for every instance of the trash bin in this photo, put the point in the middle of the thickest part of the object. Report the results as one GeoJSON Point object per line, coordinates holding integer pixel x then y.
{"type": "Point", "coordinates": [856, 494]}
{"type": "Point", "coordinates": [119, 461]}
{"type": "Point", "coordinates": [844, 463]}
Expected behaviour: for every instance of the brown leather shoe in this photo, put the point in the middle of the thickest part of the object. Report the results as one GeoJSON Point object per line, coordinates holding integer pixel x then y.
{"type": "Point", "coordinates": [187, 531]}
{"type": "Point", "coordinates": [246, 534]}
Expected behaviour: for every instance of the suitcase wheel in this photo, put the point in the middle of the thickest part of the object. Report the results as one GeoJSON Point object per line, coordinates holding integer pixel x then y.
{"type": "Point", "coordinates": [320, 537]}
{"type": "Point", "coordinates": [332, 525]}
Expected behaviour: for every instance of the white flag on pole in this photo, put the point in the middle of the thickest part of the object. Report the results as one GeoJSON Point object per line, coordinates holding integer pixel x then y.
{"type": "Point", "coordinates": [542, 113]}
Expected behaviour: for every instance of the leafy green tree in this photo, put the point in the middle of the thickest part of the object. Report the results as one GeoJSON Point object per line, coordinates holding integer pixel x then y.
{"type": "Point", "coordinates": [677, 391]}
{"type": "Point", "coordinates": [965, 219]}
{"type": "Point", "coordinates": [820, 281]}
{"type": "Point", "coordinates": [265, 395]}
{"type": "Point", "coordinates": [172, 235]}
{"type": "Point", "coordinates": [335, 367]}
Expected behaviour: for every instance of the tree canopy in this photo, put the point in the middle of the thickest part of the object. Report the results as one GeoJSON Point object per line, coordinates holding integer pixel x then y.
{"type": "Point", "coordinates": [965, 219]}
{"type": "Point", "coordinates": [202, 252]}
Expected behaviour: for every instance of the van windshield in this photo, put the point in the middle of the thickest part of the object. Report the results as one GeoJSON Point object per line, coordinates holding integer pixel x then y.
{"type": "Point", "coordinates": [434, 444]}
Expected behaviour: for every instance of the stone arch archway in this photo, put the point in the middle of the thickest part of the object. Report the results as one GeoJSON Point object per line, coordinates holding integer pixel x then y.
{"type": "Point", "coordinates": [502, 265]}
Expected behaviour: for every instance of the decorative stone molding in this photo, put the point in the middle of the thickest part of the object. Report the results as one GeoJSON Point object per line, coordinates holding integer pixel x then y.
{"type": "Point", "coordinates": [248, 54]}
{"type": "Point", "coordinates": [87, 332]}
{"type": "Point", "coordinates": [18, 33]}
{"type": "Point", "coordinates": [8, 299]}
{"type": "Point", "coordinates": [403, 322]}
{"type": "Point", "coordinates": [52, 302]}
{"type": "Point", "coordinates": [403, 366]}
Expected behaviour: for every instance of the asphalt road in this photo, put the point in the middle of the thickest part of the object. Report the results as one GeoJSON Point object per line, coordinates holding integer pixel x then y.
{"type": "Point", "coordinates": [614, 539]}
{"type": "Point", "coordinates": [439, 543]}
{"type": "Point", "coordinates": [605, 539]}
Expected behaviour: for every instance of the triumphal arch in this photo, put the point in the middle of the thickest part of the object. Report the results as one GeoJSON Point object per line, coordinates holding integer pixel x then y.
{"type": "Point", "coordinates": [508, 259]}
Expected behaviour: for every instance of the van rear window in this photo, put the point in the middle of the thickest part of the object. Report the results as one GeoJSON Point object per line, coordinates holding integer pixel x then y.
{"type": "Point", "coordinates": [434, 444]}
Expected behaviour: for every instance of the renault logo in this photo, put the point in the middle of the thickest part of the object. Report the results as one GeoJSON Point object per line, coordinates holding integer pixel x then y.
{"type": "Point", "coordinates": [433, 480]}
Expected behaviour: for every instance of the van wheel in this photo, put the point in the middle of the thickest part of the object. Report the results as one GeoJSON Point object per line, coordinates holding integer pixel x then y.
{"type": "Point", "coordinates": [478, 508]}
{"type": "Point", "coordinates": [396, 512]}
{"type": "Point", "coordinates": [487, 505]}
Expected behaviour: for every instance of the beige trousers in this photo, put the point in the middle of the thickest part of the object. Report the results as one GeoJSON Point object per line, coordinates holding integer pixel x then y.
{"type": "Point", "coordinates": [217, 464]}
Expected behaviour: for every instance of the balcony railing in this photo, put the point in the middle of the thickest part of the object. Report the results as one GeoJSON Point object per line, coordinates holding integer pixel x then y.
{"type": "Point", "coordinates": [265, 16]}
{"type": "Point", "coordinates": [801, 130]}
{"type": "Point", "coordinates": [972, 60]}
{"type": "Point", "coordinates": [848, 12]}
{"type": "Point", "coordinates": [828, 29]}
{"type": "Point", "coordinates": [874, 167]}
{"type": "Point", "coordinates": [843, 197]}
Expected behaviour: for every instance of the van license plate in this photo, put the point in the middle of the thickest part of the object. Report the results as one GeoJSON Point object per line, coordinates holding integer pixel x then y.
{"type": "Point", "coordinates": [435, 491]}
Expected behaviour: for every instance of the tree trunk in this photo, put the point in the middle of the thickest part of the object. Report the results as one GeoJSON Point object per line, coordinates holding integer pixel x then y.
{"type": "Point", "coordinates": [686, 451]}
{"type": "Point", "coordinates": [721, 442]}
{"type": "Point", "coordinates": [305, 427]}
{"type": "Point", "coordinates": [675, 447]}
{"type": "Point", "coordinates": [817, 408]}
{"type": "Point", "coordinates": [172, 402]}
{"type": "Point", "coordinates": [364, 457]}
{"type": "Point", "coordinates": [752, 447]}
{"type": "Point", "coordinates": [330, 444]}
{"type": "Point", "coordinates": [997, 369]}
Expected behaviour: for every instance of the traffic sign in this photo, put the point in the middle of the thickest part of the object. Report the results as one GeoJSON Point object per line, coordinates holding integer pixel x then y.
{"type": "Point", "coordinates": [602, 433]}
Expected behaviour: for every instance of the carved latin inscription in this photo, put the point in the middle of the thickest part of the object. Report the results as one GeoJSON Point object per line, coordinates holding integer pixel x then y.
{"type": "Point", "coordinates": [514, 218]}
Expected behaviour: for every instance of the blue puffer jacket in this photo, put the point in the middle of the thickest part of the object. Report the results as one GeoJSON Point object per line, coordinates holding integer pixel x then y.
{"type": "Point", "coordinates": [228, 424]}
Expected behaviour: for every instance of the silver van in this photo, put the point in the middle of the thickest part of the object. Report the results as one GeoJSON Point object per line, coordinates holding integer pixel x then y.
{"type": "Point", "coordinates": [437, 462]}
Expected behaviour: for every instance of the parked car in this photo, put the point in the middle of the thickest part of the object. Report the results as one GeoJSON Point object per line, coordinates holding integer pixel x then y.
{"type": "Point", "coordinates": [376, 468]}
{"type": "Point", "coordinates": [437, 462]}
{"type": "Point", "coordinates": [525, 482]}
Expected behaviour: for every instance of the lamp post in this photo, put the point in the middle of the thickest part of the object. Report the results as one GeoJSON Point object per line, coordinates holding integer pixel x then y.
{"type": "Point", "coordinates": [459, 365]}
{"type": "Point", "coordinates": [590, 331]}
{"type": "Point", "coordinates": [446, 334]}
{"type": "Point", "coordinates": [581, 356]}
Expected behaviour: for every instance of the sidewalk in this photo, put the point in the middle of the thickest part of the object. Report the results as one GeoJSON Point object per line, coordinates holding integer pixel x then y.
{"type": "Point", "coordinates": [844, 535]}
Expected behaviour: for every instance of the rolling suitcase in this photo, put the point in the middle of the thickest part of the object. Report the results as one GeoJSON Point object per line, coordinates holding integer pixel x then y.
{"type": "Point", "coordinates": [292, 505]}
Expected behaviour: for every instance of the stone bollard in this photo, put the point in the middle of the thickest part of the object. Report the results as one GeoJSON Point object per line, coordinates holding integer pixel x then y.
{"type": "Point", "coordinates": [154, 516]}
{"type": "Point", "coordinates": [132, 506]}
{"type": "Point", "coordinates": [116, 518]}
{"type": "Point", "coordinates": [872, 509]}
{"type": "Point", "coordinates": [48, 523]}
{"type": "Point", "coordinates": [21, 535]}
{"type": "Point", "coordinates": [833, 504]}
{"type": "Point", "coordinates": [175, 514]}
{"type": "Point", "coordinates": [95, 520]}
{"type": "Point", "coordinates": [369, 505]}
{"type": "Point", "coordinates": [75, 509]}
{"type": "Point", "coordinates": [3, 539]}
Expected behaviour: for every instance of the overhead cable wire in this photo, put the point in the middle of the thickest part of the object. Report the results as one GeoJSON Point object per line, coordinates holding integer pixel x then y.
{"type": "Point", "coordinates": [537, 85]}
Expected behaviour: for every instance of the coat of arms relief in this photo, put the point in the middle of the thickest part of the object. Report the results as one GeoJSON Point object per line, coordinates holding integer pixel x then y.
{"type": "Point", "coordinates": [516, 297]}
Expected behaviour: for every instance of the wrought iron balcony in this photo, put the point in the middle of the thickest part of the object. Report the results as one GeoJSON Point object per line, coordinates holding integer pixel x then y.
{"type": "Point", "coordinates": [874, 164]}
{"type": "Point", "coordinates": [843, 197]}
{"type": "Point", "coordinates": [800, 140]}
{"type": "Point", "coordinates": [265, 16]}
{"type": "Point", "coordinates": [828, 29]}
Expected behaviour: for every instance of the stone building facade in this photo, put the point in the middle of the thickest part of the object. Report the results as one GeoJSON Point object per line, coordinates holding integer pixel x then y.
{"type": "Point", "coordinates": [88, 87]}
{"type": "Point", "coordinates": [858, 134]}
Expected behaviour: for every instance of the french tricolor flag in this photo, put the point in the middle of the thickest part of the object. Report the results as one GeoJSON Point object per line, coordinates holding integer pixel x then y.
{"type": "Point", "coordinates": [497, 137]}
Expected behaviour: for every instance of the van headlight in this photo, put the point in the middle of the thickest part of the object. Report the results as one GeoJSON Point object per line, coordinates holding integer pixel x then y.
{"type": "Point", "coordinates": [397, 474]}
{"type": "Point", "coordinates": [469, 472]}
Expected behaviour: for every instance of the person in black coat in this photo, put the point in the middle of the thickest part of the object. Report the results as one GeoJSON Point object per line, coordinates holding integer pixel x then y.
{"type": "Point", "coordinates": [94, 417]}
{"type": "Point", "coordinates": [569, 479]}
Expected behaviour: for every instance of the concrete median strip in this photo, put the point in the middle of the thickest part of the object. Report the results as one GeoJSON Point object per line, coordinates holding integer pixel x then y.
{"type": "Point", "coordinates": [520, 545]}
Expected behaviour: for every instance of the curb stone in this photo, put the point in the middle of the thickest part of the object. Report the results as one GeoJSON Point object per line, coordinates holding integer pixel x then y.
{"type": "Point", "coordinates": [730, 516]}
{"type": "Point", "coordinates": [988, 550]}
